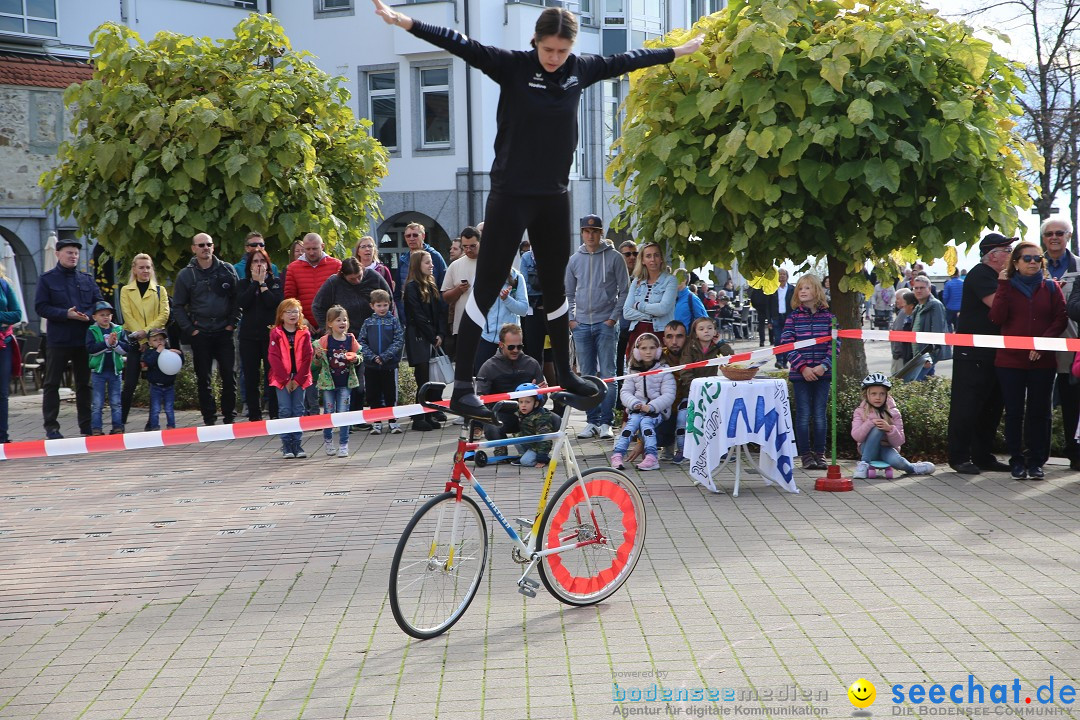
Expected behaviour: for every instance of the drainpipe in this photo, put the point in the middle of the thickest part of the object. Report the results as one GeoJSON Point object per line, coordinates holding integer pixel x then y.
{"type": "Point", "coordinates": [472, 217]}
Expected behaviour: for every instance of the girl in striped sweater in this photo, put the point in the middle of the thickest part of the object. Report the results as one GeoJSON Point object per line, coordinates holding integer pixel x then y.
{"type": "Point", "coordinates": [810, 368]}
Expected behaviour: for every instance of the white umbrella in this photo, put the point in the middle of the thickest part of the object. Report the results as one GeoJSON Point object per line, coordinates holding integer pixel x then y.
{"type": "Point", "coordinates": [11, 272]}
{"type": "Point", "coordinates": [48, 262]}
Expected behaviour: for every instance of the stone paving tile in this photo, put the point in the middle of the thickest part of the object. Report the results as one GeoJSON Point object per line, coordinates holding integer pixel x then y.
{"type": "Point", "coordinates": [219, 581]}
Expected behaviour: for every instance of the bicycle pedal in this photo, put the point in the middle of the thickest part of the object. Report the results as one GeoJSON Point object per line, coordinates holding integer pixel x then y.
{"type": "Point", "coordinates": [524, 522]}
{"type": "Point", "coordinates": [527, 587]}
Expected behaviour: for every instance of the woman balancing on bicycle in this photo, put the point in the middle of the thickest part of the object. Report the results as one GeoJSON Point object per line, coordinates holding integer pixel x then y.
{"type": "Point", "coordinates": [534, 146]}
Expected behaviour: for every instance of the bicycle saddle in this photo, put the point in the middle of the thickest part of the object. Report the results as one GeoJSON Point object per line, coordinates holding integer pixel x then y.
{"type": "Point", "coordinates": [430, 393]}
{"type": "Point", "coordinates": [579, 402]}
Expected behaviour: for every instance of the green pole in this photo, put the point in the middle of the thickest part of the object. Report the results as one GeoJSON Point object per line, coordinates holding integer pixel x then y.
{"type": "Point", "coordinates": [832, 390]}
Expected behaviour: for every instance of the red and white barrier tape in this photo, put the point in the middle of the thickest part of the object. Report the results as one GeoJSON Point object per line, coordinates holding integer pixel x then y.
{"type": "Point", "coordinates": [237, 431]}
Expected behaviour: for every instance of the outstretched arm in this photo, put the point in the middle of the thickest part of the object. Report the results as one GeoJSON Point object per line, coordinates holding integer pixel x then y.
{"type": "Point", "coordinates": [391, 17]}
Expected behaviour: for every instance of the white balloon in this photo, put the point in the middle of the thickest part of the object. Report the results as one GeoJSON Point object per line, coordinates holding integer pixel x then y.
{"type": "Point", "coordinates": [169, 362]}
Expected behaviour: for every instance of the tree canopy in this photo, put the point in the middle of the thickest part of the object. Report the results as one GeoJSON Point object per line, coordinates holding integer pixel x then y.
{"type": "Point", "coordinates": [823, 128]}
{"type": "Point", "coordinates": [182, 135]}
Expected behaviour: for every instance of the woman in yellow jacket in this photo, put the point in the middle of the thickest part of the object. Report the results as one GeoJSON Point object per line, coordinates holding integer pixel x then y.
{"type": "Point", "coordinates": [145, 306]}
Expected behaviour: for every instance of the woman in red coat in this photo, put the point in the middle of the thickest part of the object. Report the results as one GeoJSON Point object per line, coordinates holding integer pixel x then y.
{"type": "Point", "coordinates": [1027, 303]}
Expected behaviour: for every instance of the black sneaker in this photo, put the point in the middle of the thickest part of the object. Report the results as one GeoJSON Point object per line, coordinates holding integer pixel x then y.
{"type": "Point", "coordinates": [1036, 473]}
{"type": "Point", "coordinates": [1019, 472]}
{"type": "Point", "coordinates": [468, 405]}
{"type": "Point", "coordinates": [53, 435]}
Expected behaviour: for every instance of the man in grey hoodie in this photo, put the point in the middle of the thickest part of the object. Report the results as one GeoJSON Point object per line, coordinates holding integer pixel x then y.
{"type": "Point", "coordinates": [596, 284]}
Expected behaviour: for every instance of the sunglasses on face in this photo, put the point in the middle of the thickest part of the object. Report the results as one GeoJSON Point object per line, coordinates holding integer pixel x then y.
{"type": "Point", "coordinates": [1031, 258]}
{"type": "Point", "coordinates": [1055, 233]}
{"type": "Point", "coordinates": [204, 245]}
{"type": "Point", "coordinates": [630, 254]}
{"type": "Point", "coordinates": [412, 234]}
{"type": "Point", "coordinates": [512, 348]}
{"type": "Point", "coordinates": [256, 245]}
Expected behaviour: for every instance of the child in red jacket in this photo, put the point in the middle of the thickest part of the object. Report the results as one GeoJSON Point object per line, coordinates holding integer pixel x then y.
{"type": "Point", "coordinates": [878, 429]}
{"type": "Point", "coordinates": [290, 369]}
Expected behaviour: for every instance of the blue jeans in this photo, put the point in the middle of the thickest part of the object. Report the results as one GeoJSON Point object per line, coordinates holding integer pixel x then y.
{"type": "Point", "coordinates": [112, 383]}
{"type": "Point", "coordinates": [680, 425]}
{"type": "Point", "coordinates": [336, 400]}
{"type": "Point", "coordinates": [161, 398]}
{"type": "Point", "coordinates": [872, 450]}
{"type": "Point", "coordinates": [290, 404]}
{"type": "Point", "coordinates": [811, 406]}
{"type": "Point", "coordinates": [5, 387]}
{"type": "Point", "coordinates": [636, 422]}
{"type": "Point", "coordinates": [595, 344]}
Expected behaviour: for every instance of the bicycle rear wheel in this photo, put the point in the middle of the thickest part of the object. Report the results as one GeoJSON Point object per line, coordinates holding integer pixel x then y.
{"type": "Point", "coordinates": [433, 579]}
{"type": "Point", "coordinates": [587, 575]}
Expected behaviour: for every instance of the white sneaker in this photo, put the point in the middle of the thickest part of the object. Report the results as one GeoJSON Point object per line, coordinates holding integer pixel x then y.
{"type": "Point", "coordinates": [861, 469]}
{"type": "Point", "coordinates": [343, 450]}
{"type": "Point", "coordinates": [328, 446]}
{"type": "Point", "coordinates": [288, 455]}
{"type": "Point", "coordinates": [605, 432]}
{"type": "Point", "coordinates": [395, 429]}
{"type": "Point", "coordinates": [376, 428]}
{"type": "Point", "coordinates": [590, 431]}
{"type": "Point", "coordinates": [925, 468]}
{"type": "Point", "coordinates": [300, 454]}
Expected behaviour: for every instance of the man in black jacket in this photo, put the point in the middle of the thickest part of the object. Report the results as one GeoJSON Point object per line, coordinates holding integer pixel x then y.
{"type": "Point", "coordinates": [66, 298]}
{"type": "Point", "coordinates": [207, 308]}
{"type": "Point", "coordinates": [503, 372]}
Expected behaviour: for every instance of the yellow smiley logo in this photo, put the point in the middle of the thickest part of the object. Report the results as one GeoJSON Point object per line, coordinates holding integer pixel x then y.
{"type": "Point", "coordinates": [862, 693]}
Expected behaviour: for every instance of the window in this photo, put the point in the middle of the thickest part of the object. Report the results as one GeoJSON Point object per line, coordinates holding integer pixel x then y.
{"type": "Point", "coordinates": [382, 108]}
{"type": "Point", "coordinates": [699, 8]}
{"type": "Point", "coordinates": [435, 107]}
{"type": "Point", "coordinates": [333, 8]}
{"type": "Point", "coordinates": [29, 17]}
{"type": "Point", "coordinates": [612, 94]}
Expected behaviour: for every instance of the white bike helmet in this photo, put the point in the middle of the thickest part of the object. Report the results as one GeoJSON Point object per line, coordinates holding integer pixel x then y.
{"type": "Point", "coordinates": [876, 379]}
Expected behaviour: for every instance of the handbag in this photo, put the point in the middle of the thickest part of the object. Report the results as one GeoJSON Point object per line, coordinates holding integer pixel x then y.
{"type": "Point", "coordinates": [439, 367]}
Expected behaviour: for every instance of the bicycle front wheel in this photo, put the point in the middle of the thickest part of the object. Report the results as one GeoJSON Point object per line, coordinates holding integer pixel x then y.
{"type": "Point", "coordinates": [604, 503]}
{"type": "Point", "coordinates": [438, 564]}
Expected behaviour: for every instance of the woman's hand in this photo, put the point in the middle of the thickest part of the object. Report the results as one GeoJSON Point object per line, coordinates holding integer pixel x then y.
{"type": "Point", "coordinates": [438, 341]}
{"type": "Point", "coordinates": [391, 17]}
{"type": "Point", "coordinates": [1034, 355]}
{"type": "Point", "coordinates": [1004, 274]}
{"type": "Point", "coordinates": [258, 273]}
{"type": "Point", "coordinates": [690, 46]}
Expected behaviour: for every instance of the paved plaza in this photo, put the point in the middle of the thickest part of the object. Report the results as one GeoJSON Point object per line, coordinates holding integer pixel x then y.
{"type": "Point", "coordinates": [220, 581]}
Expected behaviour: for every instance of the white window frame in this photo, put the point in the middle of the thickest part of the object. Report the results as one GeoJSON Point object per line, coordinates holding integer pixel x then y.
{"type": "Point", "coordinates": [26, 18]}
{"type": "Point", "coordinates": [420, 142]}
{"type": "Point", "coordinates": [365, 97]}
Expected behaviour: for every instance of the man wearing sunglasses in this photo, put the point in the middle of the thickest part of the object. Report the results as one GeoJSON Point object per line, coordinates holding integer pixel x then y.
{"type": "Point", "coordinates": [509, 367]}
{"type": "Point", "coordinates": [1056, 234]}
{"type": "Point", "coordinates": [207, 308]}
{"type": "Point", "coordinates": [253, 241]}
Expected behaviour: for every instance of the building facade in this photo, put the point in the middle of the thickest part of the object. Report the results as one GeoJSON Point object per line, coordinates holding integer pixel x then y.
{"type": "Point", "coordinates": [435, 115]}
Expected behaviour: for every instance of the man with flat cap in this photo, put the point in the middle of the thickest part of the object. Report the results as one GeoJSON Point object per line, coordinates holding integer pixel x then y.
{"type": "Point", "coordinates": [596, 284]}
{"type": "Point", "coordinates": [65, 298]}
{"type": "Point", "coordinates": [976, 404]}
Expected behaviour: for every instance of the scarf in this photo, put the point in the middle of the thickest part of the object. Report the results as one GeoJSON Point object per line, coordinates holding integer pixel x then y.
{"type": "Point", "coordinates": [1026, 283]}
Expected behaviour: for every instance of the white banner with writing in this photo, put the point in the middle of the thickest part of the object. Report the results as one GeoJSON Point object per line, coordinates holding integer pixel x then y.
{"type": "Point", "coordinates": [723, 414]}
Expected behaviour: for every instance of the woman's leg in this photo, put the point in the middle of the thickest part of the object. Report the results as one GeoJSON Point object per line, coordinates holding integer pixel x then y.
{"type": "Point", "coordinates": [871, 447]}
{"type": "Point", "coordinates": [251, 357]}
{"type": "Point", "coordinates": [1013, 390]}
{"type": "Point", "coordinates": [622, 442]}
{"type": "Point", "coordinates": [132, 373]}
{"type": "Point", "coordinates": [895, 459]}
{"type": "Point", "coordinates": [505, 220]}
{"type": "Point", "coordinates": [1037, 416]}
{"type": "Point", "coordinates": [820, 417]}
{"type": "Point", "coordinates": [648, 435]}
{"type": "Point", "coordinates": [802, 393]}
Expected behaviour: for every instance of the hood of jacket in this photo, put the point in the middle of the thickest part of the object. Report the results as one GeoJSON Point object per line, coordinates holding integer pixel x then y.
{"type": "Point", "coordinates": [600, 289]}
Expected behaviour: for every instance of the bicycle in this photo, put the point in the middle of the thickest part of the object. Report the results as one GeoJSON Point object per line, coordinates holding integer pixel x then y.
{"type": "Point", "coordinates": [584, 542]}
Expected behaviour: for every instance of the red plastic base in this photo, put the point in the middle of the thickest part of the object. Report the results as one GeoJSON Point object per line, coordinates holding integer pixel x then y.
{"type": "Point", "coordinates": [833, 482]}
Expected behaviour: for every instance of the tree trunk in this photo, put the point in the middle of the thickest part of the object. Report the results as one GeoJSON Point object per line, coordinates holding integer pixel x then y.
{"type": "Point", "coordinates": [848, 311]}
